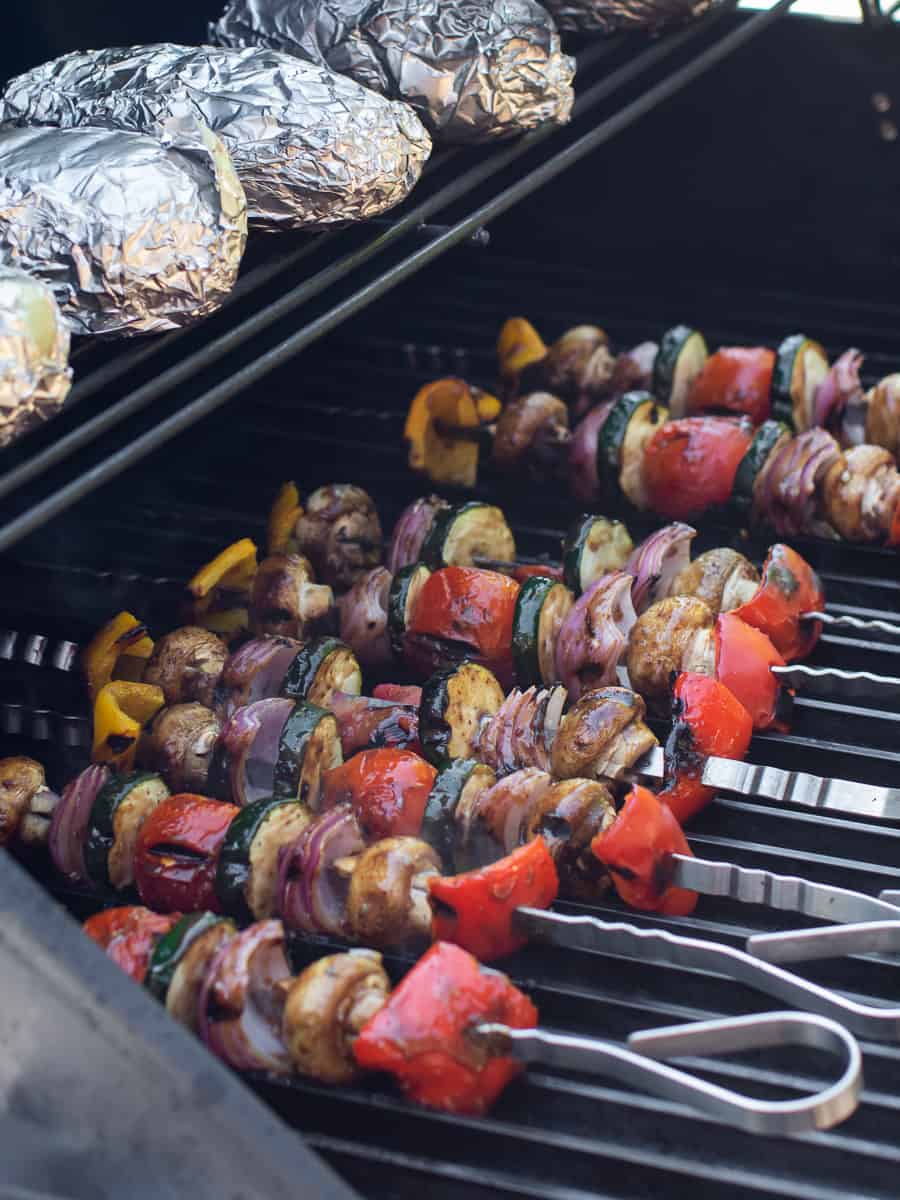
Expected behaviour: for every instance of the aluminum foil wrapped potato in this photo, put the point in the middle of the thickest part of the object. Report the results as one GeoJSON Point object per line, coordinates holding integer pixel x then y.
{"type": "Point", "coordinates": [610, 16]}
{"type": "Point", "coordinates": [132, 235]}
{"type": "Point", "coordinates": [309, 146]}
{"type": "Point", "coordinates": [474, 70]}
{"type": "Point", "coordinates": [35, 376]}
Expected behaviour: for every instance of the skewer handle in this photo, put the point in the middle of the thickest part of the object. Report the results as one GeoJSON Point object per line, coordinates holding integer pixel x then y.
{"type": "Point", "coordinates": [796, 787]}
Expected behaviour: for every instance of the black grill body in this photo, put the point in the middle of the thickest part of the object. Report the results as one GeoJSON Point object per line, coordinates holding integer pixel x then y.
{"type": "Point", "coordinates": [757, 202]}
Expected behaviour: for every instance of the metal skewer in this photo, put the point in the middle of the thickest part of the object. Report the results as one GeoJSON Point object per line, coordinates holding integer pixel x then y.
{"type": "Point", "coordinates": [634, 1065]}
{"type": "Point", "coordinates": [844, 621]}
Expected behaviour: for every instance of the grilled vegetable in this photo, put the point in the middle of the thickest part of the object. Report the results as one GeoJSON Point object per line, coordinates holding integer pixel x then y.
{"type": "Point", "coordinates": [578, 366]}
{"type": "Point", "coordinates": [785, 495]}
{"type": "Point", "coordinates": [221, 590]}
{"type": "Point", "coordinates": [882, 420]}
{"type": "Point", "coordinates": [455, 703]}
{"type": "Point", "coordinates": [632, 422]}
{"type": "Point", "coordinates": [689, 465]}
{"type": "Point", "coordinates": [568, 816]}
{"type": "Point", "coordinates": [801, 367]}
{"type": "Point", "coordinates": [789, 589]}
{"type": "Point", "coordinates": [402, 599]}
{"type": "Point", "coordinates": [532, 433]}
{"type": "Point", "coordinates": [129, 935]}
{"type": "Point", "coordinates": [497, 823]}
{"type": "Point", "coordinates": [450, 404]}
{"type": "Point", "coordinates": [463, 613]}
{"type": "Point", "coordinates": [387, 790]}
{"type": "Point", "coordinates": [369, 722]}
{"type": "Point", "coordinates": [769, 438]}
{"type": "Point", "coordinates": [426, 1043]}
{"type": "Point", "coordinates": [387, 898]}
{"type": "Point", "coordinates": [121, 711]}
{"type": "Point", "coordinates": [187, 664]}
{"type": "Point", "coordinates": [735, 380]}
{"type": "Point", "coordinates": [364, 618]}
{"type": "Point", "coordinates": [411, 531]}
{"type": "Point", "coordinates": [859, 491]}
{"type": "Point", "coordinates": [325, 1010]}
{"type": "Point", "coordinates": [721, 578]}
{"type": "Point", "coordinates": [285, 513]}
{"type": "Point", "coordinates": [176, 853]}
{"type": "Point", "coordinates": [460, 535]}
{"type": "Point", "coordinates": [595, 634]}
{"type": "Point", "coordinates": [637, 850]}
{"type": "Point", "coordinates": [339, 533]}
{"type": "Point", "coordinates": [593, 547]}
{"type": "Point", "coordinates": [522, 732]}
{"type": "Point", "coordinates": [657, 562]}
{"type": "Point", "coordinates": [117, 815]}
{"type": "Point", "coordinates": [586, 467]}
{"type": "Point", "coordinates": [286, 600]}
{"type": "Point", "coordinates": [682, 356]}
{"type": "Point", "coordinates": [667, 639]}
{"type": "Point", "coordinates": [69, 823]}
{"type": "Point", "coordinates": [121, 644]}
{"type": "Point", "coordinates": [519, 345]}
{"type": "Point", "coordinates": [321, 669]}
{"type": "Point", "coordinates": [542, 606]}
{"type": "Point", "coordinates": [744, 658]}
{"type": "Point", "coordinates": [309, 746]}
{"type": "Point", "coordinates": [180, 959]}
{"type": "Point", "coordinates": [26, 803]}
{"type": "Point", "coordinates": [456, 791]}
{"type": "Point", "coordinates": [839, 403]}
{"type": "Point", "coordinates": [477, 910]}
{"type": "Point", "coordinates": [602, 735]}
{"type": "Point", "coordinates": [247, 871]}
{"type": "Point", "coordinates": [180, 745]}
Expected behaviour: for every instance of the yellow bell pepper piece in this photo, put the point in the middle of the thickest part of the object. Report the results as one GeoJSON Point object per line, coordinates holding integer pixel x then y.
{"type": "Point", "coordinates": [226, 622]}
{"type": "Point", "coordinates": [441, 456]}
{"type": "Point", "coordinates": [121, 711]}
{"type": "Point", "coordinates": [518, 345]}
{"type": "Point", "coordinates": [124, 637]}
{"type": "Point", "coordinates": [233, 568]}
{"type": "Point", "coordinates": [286, 511]}
{"type": "Point", "coordinates": [487, 406]}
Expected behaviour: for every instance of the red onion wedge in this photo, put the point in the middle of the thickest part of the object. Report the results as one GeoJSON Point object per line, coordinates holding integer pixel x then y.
{"type": "Point", "coordinates": [411, 530]}
{"type": "Point", "coordinates": [583, 476]}
{"type": "Point", "coordinates": [840, 387]}
{"type": "Point", "coordinates": [656, 561]}
{"type": "Point", "coordinates": [68, 825]}
{"type": "Point", "coordinates": [595, 634]}
{"type": "Point", "coordinates": [785, 493]}
{"type": "Point", "coordinates": [363, 616]}
{"type": "Point", "coordinates": [633, 371]}
{"type": "Point", "coordinates": [239, 1007]}
{"type": "Point", "coordinates": [255, 672]}
{"type": "Point", "coordinates": [365, 722]}
{"type": "Point", "coordinates": [312, 895]}
{"type": "Point", "coordinates": [251, 739]}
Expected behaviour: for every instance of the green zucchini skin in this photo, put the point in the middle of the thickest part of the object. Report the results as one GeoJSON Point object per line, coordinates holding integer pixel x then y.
{"type": "Point", "coordinates": [404, 587]}
{"type": "Point", "coordinates": [438, 821]}
{"type": "Point", "coordinates": [764, 441]}
{"type": "Point", "coordinates": [298, 729]}
{"type": "Point", "coordinates": [783, 377]}
{"type": "Point", "coordinates": [453, 701]}
{"type": "Point", "coordinates": [435, 553]}
{"type": "Point", "coordinates": [676, 345]}
{"type": "Point", "coordinates": [612, 435]}
{"type": "Point", "coordinates": [305, 666]}
{"type": "Point", "coordinates": [171, 947]}
{"type": "Point", "coordinates": [526, 629]}
{"type": "Point", "coordinates": [434, 732]}
{"type": "Point", "coordinates": [101, 827]}
{"type": "Point", "coordinates": [577, 549]}
{"type": "Point", "coordinates": [233, 868]}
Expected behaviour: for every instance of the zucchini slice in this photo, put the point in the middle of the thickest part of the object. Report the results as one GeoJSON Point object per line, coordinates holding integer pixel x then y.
{"type": "Point", "coordinates": [454, 704]}
{"type": "Point", "coordinates": [681, 357]}
{"type": "Point", "coordinates": [455, 790]}
{"type": "Point", "coordinates": [404, 593]}
{"type": "Point", "coordinates": [320, 669]}
{"type": "Point", "coordinates": [180, 960]}
{"type": "Point", "coordinates": [769, 435]}
{"type": "Point", "coordinates": [594, 546]}
{"type": "Point", "coordinates": [632, 421]}
{"type": "Point", "coordinates": [118, 812]}
{"type": "Point", "coordinates": [310, 744]}
{"type": "Point", "coordinates": [541, 607]}
{"type": "Point", "coordinates": [465, 532]}
{"type": "Point", "coordinates": [800, 366]}
{"type": "Point", "coordinates": [247, 870]}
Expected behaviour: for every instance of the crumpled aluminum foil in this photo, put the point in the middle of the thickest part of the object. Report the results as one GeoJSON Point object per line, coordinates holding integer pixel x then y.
{"type": "Point", "coordinates": [474, 70]}
{"type": "Point", "coordinates": [310, 147]}
{"type": "Point", "coordinates": [35, 376]}
{"type": "Point", "coordinates": [132, 234]}
{"type": "Point", "coordinates": [610, 16]}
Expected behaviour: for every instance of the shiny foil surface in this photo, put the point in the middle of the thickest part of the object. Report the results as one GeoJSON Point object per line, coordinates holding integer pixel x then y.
{"type": "Point", "coordinates": [611, 16]}
{"type": "Point", "coordinates": [474, 70]}
{"type": "Point", "coordinates": [34, 354]}
{"type": "Point", "coordinates": [311, 147]}
{"type": "Point", "coordinates": [132, 234]}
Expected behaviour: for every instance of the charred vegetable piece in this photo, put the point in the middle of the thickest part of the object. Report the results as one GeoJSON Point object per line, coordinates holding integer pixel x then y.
{"type": "Point", "coordinates": [187, 665]}
{"type": "Point", "coordinates": [247, 870]}
{"type": "Point", "coordinates": [118, 813]}
{"type": "Point", "coordinates": [180, 959]}
{"type": "Point", "coordinates": [69, 823]}
{"type": "Point", "coordinates": [657, 561]}
{"type": "Point", "coordinates": [706, 720]}
{"type": "Point", "coordinates": [789, 588]}
{"type": "Point", "coordinates": [859, 491]}
{"type": "Point", "coordinates": [464, 613]}
{"type": "Point", "coordinates": [522, 732]}
{"type": "Point", "coordinates": [410, 532]}
{"type": "Point", "coordinates": [121, 711]}
{"type": "Point", "coordinates": [364, 618]}
{"type": "Point", "coordinates": [569, 815]}
{"type": "Point", "coordinates": [593, 547]}
{"type": "Point", "coordinates": [496, 825]}
{"type": "Point", "coordinates": [785, 494]}
{"type": "Point", "coordinates": [682, 356]}
{"type": "Point", "coordinates": [602, 735]}
{"type": "Point", "coordinates": [386, 788]}
{"type": "Point", "coordinates": [477, 910]}
{"type": "Point", "coordinates": [637, 850]}
{"type": "Point", "coordinates": [286, 600]}
{"type": "Point", "coordinates": [406, 587]}
{"type": "Point", "coordinates": [426, 1042]}
{"type": "Point", "coordinates": [286, 512]}
{"type": "Point", "coordinates": [309, 746]}
{"type": "Point", "coordinates": [518, 346]}
{"type": "Point", "coordinates": [456, 790]}
{"type": "Point", "coordinates": [339, 533]}
{"type": "Point", "coordinates": [633, 421]}
{"type": "Point", "coordinates": [312, 881]}
{"type": "Point", "coordinates": [122, 640]}
{"type": "Point", "coordinates": [326, 1009]}
{"type": "Point", "coordinates": [771, 436]}
{"type": "Point", "coordinates": [667, 639]}
{"type": "Point", "coordinates": [177, 850]}
{"type": "Point", "coordinates": [735, 380]}
{"type": "Point", "coordinates": [595, 634]}
{"type": "Point", "coordinates": [321, 669]}
{"type": "Point", "coordinates": [368, 722]}
{"type": "Point", "coordinates": [744, 658]}
{"type": "Point", "coordinates": [180, 745]}
{"type": "Point", "coordinates": [586, 469]}
{"type": "Point", "coordinates": [455, 704]}
{"type": "Point", "coordinates": [220, 591]}
{"type": "Point", "coordinates": [721, 578]}
{"type": "Point", "coordinates": [26, 803]}
{"type": "Point", "coordinates": [801, 366]}
{"type": "Point", "coordinates": [437, 410]}
{"type": "Point", "coordinates": [882, 414]}
{"type": "Point", "coordinates": [128, 935]}
{"type": "Point", "coordinates": [387, 900]}
{"type": "Point", "coordinates": [254, 672]}
{"type": "Point", "coordinates": [468, 531]}
{"type": "Point", "coordinates": [689, 465]}
{"type": "Point", "coordinates": [532, 433]}
{"type": "Point", "coordinates": [541, 609]}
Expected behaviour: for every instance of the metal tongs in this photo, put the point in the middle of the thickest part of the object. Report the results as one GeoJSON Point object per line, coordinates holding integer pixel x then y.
{"type": "Point", "coordinates": [633, 1064]}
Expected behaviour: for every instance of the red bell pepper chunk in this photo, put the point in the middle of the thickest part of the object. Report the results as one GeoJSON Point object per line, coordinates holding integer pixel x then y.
{"type": "Point", "coordinates": [422, 1035]}
{"type": "Point", "coordinates": [472, 610]}
{"type": "Point", "coordinates": [177, 851]}
{"type": "Point", "coordinates": [475, 910]}
{"type": "Point", "coordinates": [128, 935]}
{"type": "Point", "coordinates": [894, 533]}
{"type": "Point", "coordinates": [744, 661]}
{"type": "Point", "coordinates": [789, 588]}
{"type": "Point", "coordinates": [399, 693]}
{"type": "Point", "coordinates": [690, 465]}
{"type": "Point", "coordinates": [637, 851]}
{"type": "Point", "coordinates": [388, 790]}
{"type": "Point", "coordinates": [707, 720]}
{"type": "Point", "coordinates": [736, 379]}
